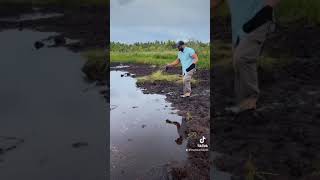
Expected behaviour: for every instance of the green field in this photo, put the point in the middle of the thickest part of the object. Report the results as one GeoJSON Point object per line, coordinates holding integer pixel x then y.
{"type": "Point", "coordinates": [291, 10]}
{"type": "Point", "coordinates": [156, 53]}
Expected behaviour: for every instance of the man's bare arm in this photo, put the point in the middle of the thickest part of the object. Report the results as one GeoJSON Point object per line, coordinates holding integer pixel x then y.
{"type": "Point", "coordinates": [174, 63]}
{"type": "Point", "coordinates": [196, 59]}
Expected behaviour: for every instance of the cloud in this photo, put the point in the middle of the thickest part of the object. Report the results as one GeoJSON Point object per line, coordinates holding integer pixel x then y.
{"type": "Point", "coordinates": [124, 2]}
{"type": "Point", "coordinates": [160, 19]}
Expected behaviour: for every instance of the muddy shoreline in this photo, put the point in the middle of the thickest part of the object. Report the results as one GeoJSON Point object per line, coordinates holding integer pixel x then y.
{"type": "Point", "coordinates": [197, 108]}
{"type": "Point", "coordinates": [280, 140]}
{"type": "Point", "coordinates": [87, 24]}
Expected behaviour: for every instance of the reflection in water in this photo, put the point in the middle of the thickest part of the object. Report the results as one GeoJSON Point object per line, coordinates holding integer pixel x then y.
{"type": "Point", "coordinates": [140, 137]}
{"type": "Point", "coordinates": [181, 128]}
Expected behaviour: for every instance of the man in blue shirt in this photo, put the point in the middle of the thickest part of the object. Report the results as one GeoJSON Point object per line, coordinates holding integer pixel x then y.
{"type": "Point", "coordinates": [251, 22]}
{"type": "Point", "coordinates": [188, 59]}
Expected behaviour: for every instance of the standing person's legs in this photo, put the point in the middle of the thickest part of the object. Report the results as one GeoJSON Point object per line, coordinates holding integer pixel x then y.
{"type": "Point", "coordinates": [245, 59]}
{"type": "Point", "coordinates": [187, 81]}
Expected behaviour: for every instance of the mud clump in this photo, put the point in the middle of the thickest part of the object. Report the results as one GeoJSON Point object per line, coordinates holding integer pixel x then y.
{"type": "Point", "coordinates": [59, 40]}
{"type": "Point", "coordinates": [38, 45]}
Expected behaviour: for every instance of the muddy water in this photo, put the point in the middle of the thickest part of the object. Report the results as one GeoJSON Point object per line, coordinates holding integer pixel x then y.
{"type": "Point", "coordinates": [43, 103]}
{"type": "Point", "coordinates": [141, 140]}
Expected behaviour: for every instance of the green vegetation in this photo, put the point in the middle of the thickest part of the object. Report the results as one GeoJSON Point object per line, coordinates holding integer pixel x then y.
{"type": "Point", "coordinates": [291, 10]}
{"type": "Point", "coordinates": [160, 76]}
{"type": "Point", "coordinates": [96, 65]}
{"type": "Point", "coordinates": [156, 53]}
{"type": "Point", "coordinates": [97, 55]}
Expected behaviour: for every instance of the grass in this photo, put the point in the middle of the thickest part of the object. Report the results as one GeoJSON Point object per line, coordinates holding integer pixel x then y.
{"type": "Point", "coordinates": [158, 53]}
{"type": "Point", "coordinates": [97, 55]}
{"type": "Point", "coordinates": [290, 11]}
{"type": "Point", "coordinates": [96, 66]}
{"type": "Point", "coordinates": [164, 77]}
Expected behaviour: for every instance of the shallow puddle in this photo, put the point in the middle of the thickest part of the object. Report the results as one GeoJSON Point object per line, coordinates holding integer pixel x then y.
{"type": "Point", "coordinates": [141, 138]}
{"type": "Point", "coordinates": [43, 103]}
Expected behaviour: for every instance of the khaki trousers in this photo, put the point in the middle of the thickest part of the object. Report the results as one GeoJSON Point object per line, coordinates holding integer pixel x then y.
{"type": "Point", "coordinates": [245, 57]}
{"type": "Point", "coordinates": [187, 81]}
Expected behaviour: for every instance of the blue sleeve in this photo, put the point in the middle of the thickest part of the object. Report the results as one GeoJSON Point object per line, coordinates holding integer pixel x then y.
{"type": "Point", "coordinates": [191, 52]}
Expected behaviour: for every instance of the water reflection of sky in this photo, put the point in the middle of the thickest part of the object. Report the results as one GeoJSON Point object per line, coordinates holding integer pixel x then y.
{"type": "Point", "coordinates": [145, 20]}
{"type": "Point", "coordinates": [139, 130]}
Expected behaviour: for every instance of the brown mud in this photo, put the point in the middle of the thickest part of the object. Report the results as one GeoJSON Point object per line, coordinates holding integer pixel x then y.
{"type": "Point", "coordinates": [195, 109]}
{"type": "Point", "coordinates": [280, 141]}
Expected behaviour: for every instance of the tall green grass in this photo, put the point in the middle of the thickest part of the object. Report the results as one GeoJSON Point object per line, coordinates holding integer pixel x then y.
{"type": "Point", "coordinates": [307, 10]}
{"type": "Point", "coordinates": [290, 10]}
{"type": "Point", "coordinates": [156, 53]}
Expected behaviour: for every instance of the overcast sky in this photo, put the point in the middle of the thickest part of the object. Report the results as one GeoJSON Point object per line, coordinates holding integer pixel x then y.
{"type": "Point", "coordinates": [150, 20]}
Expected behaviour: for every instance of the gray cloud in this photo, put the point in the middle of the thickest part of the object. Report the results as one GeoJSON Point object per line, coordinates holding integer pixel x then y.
{"type": "Point", "coordinates": [160, 19]}
{"type": "Point", "coordinates": [124, 2]}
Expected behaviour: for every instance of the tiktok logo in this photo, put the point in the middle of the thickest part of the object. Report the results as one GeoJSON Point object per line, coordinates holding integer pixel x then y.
{"type": "Point", "coordinates": [202, 139]}
{"type": "Point", "coordinates": [202, 144]}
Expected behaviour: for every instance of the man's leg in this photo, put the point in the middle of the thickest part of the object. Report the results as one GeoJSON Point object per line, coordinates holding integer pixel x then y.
{"type": "Point", "coordinates": [187, 81]}
{"type": "Point", "coordinates": [246, 55]}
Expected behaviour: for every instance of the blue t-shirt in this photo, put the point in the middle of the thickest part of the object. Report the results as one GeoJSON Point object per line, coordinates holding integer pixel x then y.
{"type": "Point", "coordinates": [241, 12]}
{"type": "Point", "coordinates": [186, 58]}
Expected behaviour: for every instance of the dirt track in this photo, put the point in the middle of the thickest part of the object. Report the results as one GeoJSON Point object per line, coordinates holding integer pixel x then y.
{"type": "Point", "coordinates": [281, 139]}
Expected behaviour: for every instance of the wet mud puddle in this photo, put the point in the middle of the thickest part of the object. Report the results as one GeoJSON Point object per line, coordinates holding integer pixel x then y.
{"type": "Point", "coordinates": [49, 128]}
{"type": "Point", "coordinates": [145, 130]}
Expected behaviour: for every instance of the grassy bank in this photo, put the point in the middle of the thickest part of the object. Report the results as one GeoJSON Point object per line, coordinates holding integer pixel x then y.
{"type": "Point", "coordinates": [96, 66]}
{"type": "Point", "coordinates": [156, 53]}
{"type": "Point", "coordinates": [162, 76]}
{"type": "Point", "coordinates": [290, 10]}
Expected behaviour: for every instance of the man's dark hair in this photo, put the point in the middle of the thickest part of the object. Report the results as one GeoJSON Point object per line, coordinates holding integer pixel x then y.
{"type": "Point", "coordinates": [179, 43]}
